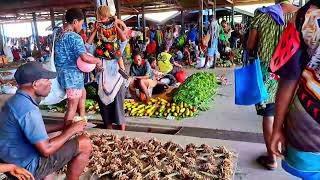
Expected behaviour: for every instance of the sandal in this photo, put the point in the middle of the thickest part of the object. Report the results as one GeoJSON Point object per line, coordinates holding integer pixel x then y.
{"type": "Point", "coordinates": [267, 162]}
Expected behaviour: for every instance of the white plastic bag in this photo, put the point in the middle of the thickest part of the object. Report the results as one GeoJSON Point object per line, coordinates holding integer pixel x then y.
{"type": "Point", "coordinates": [57, 94]}
{"type": "Point", "coordinates": [201, 62]}
{"type": "Point", "coordinates": [8, 89]}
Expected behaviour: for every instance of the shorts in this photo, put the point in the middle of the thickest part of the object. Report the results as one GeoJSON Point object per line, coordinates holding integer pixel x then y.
{"type": "Point", "coordinates": [55, 162]}
{"type": "Point", "coordinates": [265, 110]}
{"type": "Point", "coordinates": [74, 93]}
{"type": "Point", "coordinates": [305, 175]}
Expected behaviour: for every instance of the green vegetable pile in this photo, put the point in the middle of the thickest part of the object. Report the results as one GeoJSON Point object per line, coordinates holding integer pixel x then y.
{"type": "Point", "coordinates": [91, 91]}
{"type": "Point", "coordinates": [197, 91]}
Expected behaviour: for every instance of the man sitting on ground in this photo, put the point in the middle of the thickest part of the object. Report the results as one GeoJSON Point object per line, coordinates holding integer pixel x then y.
{"type": "Point", "coordinates": [142, 75]}
{"type": "Point", "coordinates": [23, 135]}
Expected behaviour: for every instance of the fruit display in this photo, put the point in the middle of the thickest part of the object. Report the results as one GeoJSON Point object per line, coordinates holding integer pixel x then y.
{"type": "Point", "coordinates": [197, 91]}
{"type": "Point", "coordinates": [92, 107]}
{"type": "Point", "coordinates": [224, 63]}
{"type": "Point", "coordinates": [160, 108]}
{"type": "Point", "coordinates": [131, 158]}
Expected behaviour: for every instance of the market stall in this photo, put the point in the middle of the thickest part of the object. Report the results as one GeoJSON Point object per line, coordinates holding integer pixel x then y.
{"type": "Point", "coordinates": [155, 156]}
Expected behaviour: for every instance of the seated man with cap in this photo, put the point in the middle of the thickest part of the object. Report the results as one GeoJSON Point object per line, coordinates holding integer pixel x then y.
{"type": "Point", "coordinates": [23, 135]}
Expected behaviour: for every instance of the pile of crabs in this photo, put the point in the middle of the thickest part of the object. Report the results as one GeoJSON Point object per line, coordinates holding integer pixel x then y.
{"type": "Point", "coordinates": [131, 158]}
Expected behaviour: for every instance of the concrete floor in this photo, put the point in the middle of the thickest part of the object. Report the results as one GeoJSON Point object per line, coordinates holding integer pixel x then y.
{"type": "Point", "coordinates": [225, 117]}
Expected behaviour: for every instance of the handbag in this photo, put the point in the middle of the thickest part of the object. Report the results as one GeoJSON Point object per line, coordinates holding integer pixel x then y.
{"type": "Point", "coordinates": [57, 93]}
{"type": "Point", "coordinates": [249, 86]}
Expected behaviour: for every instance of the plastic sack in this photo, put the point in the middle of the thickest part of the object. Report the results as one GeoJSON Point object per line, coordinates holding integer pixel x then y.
{"type": "Point", "coordinates": [57, 94]}
{"type": "Point", "coordinates": [181, 76]}
{"type": "Point", "coordinates": [8, 89]}
{"type": "Point", "coordinates": [201, 62]}
{"type": "Point", "coordinates": [249, 86]}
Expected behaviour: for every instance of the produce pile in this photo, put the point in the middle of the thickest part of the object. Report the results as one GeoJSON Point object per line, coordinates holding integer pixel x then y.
{"type": "Point", "coordinates": [224, 63]}
{"type": "Point", "coordinates": [130, 158]}
{"type": "Point", "coordinates": [197, 91]}
{"type": "Point", "coordinates": [237, 60]}
{"type": "Point", "coordinates": [92, 107]}
{"type": "Point", "coordinates": [159, 108]}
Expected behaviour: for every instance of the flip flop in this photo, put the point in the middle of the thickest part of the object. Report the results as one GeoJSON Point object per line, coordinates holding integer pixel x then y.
{"type": "Point", "coordinates": [267, 162]}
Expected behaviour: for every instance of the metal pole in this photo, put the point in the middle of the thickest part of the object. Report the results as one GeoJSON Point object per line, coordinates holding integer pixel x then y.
{"type": "Point", "coordinates": [143, 24]}
{"type": "Point", "coordinates": [182, 22]}
{"type": "Point", "coordinates": [232, 16]}
{"type": "Point", "coordinates": [138, 21]}
{"type": "Point", "coordinates": [1, 37]}
{"type": "Point", "coordinates": [118, 6]}
{"type": "Point", "coordinates": [201, 19]}
{"type": "Point", "coordinates": [85, 16]}
{"type": "Point", "coordinates": [52, 18]}
{"type": "Point", "coordinates": [34, 17]}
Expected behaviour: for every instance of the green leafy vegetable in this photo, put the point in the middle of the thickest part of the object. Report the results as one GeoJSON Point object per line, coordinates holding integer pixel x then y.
{"type": "Point", "coordinates": [198, 90]}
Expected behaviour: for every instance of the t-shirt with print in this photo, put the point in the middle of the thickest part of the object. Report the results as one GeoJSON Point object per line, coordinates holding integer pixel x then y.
{"type": "Point", "coordinates": [21, 127]}
{"type": "Point", "coordinates": [107, 40]}
{"type": "Point", "coordinates": [303, 118]}
{"type": "Point", "coordinates": [68, 49]}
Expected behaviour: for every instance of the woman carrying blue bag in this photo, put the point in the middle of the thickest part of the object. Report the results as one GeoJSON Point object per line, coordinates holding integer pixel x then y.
{"type": "Point", "coordinates": [265, 31]}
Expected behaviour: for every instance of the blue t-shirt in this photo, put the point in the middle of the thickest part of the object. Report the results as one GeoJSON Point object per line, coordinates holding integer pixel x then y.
{"type": "Point", "coordinates": [192, 35]}
{"type": "Point", "coordinates": [67, 50]}
{"type": "Point", "coordinates": [21, 126]}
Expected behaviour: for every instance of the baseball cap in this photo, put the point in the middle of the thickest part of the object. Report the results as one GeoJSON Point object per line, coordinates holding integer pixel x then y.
{"type": "Point", "coordinates": [31, 72]}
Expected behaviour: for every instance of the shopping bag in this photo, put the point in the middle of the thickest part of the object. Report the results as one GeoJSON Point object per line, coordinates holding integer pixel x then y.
{"type": "Point", "coordinates": [57, 93]}
{"type": "Point", "coordinates": [249, 86]}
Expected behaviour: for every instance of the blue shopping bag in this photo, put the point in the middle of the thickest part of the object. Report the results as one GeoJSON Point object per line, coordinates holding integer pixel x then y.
{"type": "Point", "coordinates": [249, 86]}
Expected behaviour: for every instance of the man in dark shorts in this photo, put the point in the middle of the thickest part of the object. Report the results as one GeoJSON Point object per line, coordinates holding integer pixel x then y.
{"type": "Point", "coordinates": [23, 136]}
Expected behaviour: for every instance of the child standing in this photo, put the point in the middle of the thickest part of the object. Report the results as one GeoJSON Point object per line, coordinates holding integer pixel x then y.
{"type": "Point", "coordinates": [106, 38]}
{"type": "Point", "coordinates": [69, 47]}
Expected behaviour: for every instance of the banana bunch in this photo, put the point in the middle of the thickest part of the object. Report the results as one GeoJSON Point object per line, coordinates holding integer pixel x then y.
{"type": "Point", "coordinates": [160, 108]}
{"type": "Point", "coordinates": [92, 106]}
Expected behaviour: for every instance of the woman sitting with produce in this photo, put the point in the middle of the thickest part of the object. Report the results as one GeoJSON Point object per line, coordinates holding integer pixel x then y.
{"type": "Point", "coordinates": [167, 64]}
{"type": "Point", "coordinates": [167, 79]}
{"type": "Point", "coordinates": [142, 78]}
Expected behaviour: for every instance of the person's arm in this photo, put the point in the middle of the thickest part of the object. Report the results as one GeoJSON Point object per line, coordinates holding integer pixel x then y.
{"type": "Point", "coordinates": [175, 63]}
{"type": "Point", "coordinates": [50, 146]}
{"type": "Point", "coordinates": [80, 51]}
{"type": "Point", "coordinates": [252, 41]}
{"type": "Point", "coordinates": [121, 33]}
{"type": "Point", "coordinates": [92, 36]}
{"type": "Point", "coordinates": [16, 171]}
{"type": "Point", "coordinates": [50, 128]}
{"type": "Point", "coordinates": [90, 59]}
{"type": "Point", "coordinates": [253, 38]}
{"type": "Point", "coordinates": [285, 93]}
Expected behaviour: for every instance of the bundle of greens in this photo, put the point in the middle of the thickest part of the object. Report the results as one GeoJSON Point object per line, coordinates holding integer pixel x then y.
{"type": "Point", "coordinates": [197, 91]}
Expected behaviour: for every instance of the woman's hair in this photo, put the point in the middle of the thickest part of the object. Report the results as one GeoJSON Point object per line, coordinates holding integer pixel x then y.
{"type": "Point", "coordinates": [151, 59]}
{"type": "Point", "coordinates": [136, 53]}
{"type": "Point", "coordinates": [74, 14]}
{"type": "Point", "coordinates": [103, 12]}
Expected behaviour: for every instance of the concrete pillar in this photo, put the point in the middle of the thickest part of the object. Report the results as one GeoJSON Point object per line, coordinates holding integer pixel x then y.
{"type": "Point", "coordinates": [52, 18]}
{"type": "Point", "coordinates": [143, 24]}
{"type": "Point", "coordinates": [35, 27]}
{"type": "Point", "coordinates": [182, 22]}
